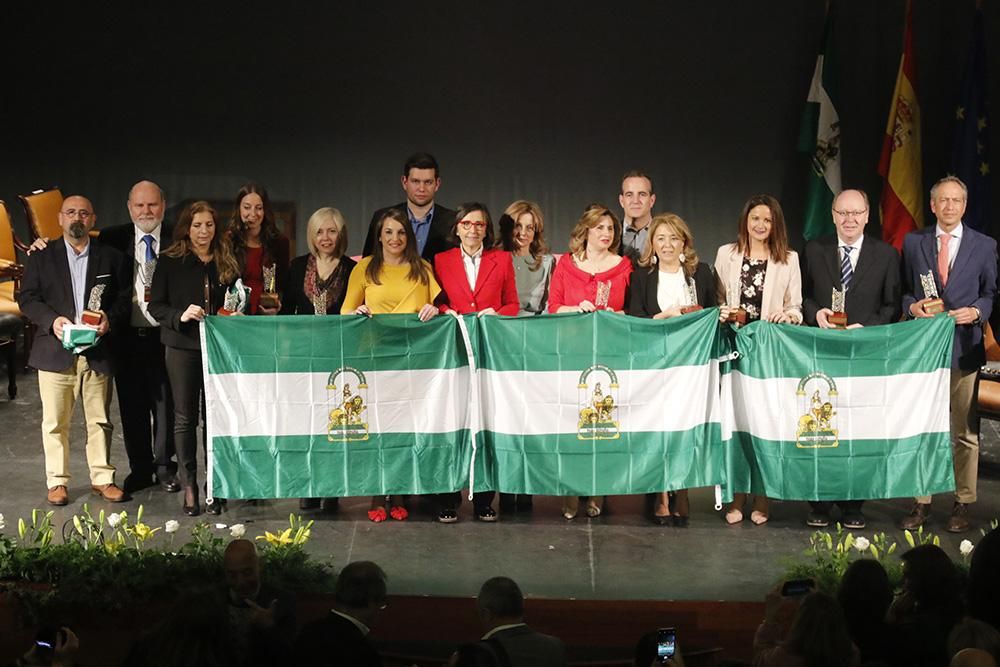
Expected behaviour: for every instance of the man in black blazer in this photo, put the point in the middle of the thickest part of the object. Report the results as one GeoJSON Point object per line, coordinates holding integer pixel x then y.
{"type": "Point", "coordinates": [69, 276]}
{"type": "Point", "coordinates": [868, 269]}
{"type": "Point", "coordinates": [341, 638]}
{"type": "Point", "coordinates": [144, 398]}
{"type": "Point", "coordinates": [501, 610]}
{"type": "Point", "coordinates": [431, 222]}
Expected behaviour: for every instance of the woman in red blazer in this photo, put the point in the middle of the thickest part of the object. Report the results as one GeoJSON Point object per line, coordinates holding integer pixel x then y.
{"type": "Point", "coordinates": [475, 278]}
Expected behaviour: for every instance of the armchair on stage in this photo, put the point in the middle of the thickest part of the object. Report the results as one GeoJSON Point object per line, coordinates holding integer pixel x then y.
{"type": "Point", "coordinates": [12, 320]}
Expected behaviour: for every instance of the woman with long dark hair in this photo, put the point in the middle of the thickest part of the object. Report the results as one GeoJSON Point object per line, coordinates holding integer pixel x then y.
{"type": "Point", "coordinates": [258, 246]}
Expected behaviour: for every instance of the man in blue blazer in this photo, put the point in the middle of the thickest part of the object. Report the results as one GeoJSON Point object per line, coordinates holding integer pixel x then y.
{"type": "Point", "coordinates": [964, 265]}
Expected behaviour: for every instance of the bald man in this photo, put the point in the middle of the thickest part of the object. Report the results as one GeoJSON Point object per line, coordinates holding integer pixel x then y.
{"type": "Point", "coordinates": [144, 398]}
{"type": "Point", "coordinates": [71, 275]}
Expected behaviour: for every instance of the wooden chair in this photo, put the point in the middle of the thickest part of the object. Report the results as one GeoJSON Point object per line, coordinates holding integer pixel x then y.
{"type": "Point", "coordinates": [988, 384]}
{"type": "Point", "coordinates": [42, 208]}
{"type": "Point", "coordinates": [10, 283]}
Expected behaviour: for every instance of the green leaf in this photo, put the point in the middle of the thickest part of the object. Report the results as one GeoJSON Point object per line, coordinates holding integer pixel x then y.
{"type": "Point", "coordinates": [909, 538]}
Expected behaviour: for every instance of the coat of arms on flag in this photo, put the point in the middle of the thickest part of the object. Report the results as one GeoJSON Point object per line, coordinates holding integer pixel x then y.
{"type": "Point", "coordinates": [598, 404]}
{"type": "Point", "coordinates": [347, 405]}
{"type": "Point", "coordinates": [818, 424]}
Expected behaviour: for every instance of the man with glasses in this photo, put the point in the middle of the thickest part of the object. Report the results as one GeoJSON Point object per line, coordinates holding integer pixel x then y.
{"type": "Point", "coordinates": [866, 271]}
{"type": "Point", "coordinates": [636, 199]}
{"type": "Point", "coordinates": [963, 264]}
{"type": "Point", "coordinates": [75, 281]}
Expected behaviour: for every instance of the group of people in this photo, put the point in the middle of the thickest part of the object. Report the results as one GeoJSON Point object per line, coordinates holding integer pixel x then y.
{"type": "Point", "coordinates": [422, 258]}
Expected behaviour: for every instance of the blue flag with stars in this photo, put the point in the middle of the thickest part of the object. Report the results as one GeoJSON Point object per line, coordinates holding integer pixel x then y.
{"type": "Point", "coordinates": [970, 149]}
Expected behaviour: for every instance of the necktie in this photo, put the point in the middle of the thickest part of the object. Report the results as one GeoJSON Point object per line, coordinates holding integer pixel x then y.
{"type": "Point", "coordinates": [846, 272]}
{"type": "Point", "coordinates": [943, 259]}
{"type": "Point", "coordinates": [149, 241]}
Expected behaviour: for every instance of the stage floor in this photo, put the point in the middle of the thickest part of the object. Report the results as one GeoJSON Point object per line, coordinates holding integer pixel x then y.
{"type": "Point", "coordinates": [619, 556]}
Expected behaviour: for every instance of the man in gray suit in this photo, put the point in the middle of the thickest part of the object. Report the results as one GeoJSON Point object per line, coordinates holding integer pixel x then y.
{"type": "Point", "coordinates": [501, 609]}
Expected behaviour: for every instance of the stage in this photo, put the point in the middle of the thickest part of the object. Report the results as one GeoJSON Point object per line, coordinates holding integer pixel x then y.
{"type": "Point", "coordinates": [618, 556]}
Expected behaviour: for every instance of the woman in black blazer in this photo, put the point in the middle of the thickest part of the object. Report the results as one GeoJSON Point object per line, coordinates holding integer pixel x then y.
{"type": "Point", "coordinates": [668, 280]}
{"type": "Point", "coordinates": [190, 282]}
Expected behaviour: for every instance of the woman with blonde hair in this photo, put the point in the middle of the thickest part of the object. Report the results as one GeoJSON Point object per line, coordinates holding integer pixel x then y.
{"type": "Point", "coordinates": [759, 277]}
{"type": "Point", "coordinates": [668, 282]}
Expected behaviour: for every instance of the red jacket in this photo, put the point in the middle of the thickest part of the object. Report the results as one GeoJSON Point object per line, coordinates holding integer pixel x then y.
{"type": "Point", "coordinates": [495, 286]}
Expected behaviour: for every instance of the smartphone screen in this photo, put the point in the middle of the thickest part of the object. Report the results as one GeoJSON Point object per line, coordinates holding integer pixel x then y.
{"type": "Point", "coordinates": [666, 643]}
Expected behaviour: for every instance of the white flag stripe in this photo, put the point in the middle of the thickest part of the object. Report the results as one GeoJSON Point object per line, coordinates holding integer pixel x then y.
{"type": "Point", "coordinates": [416, 401]}
{"type": "Point", "coordinates": [539, 403]}
{"type": "Point", "coordinates": [868, 408]}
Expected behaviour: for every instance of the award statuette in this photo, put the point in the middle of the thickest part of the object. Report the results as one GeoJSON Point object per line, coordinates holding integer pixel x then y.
{"type": "Point", "coordinates": [319, 302]}
{"type": "Point", "coordinates": [269, 297]}
{"type": "Point", "coordinates": [603, 294]}
{"type": "Point", "coordinates": [146, 270]}
{"type": "Point", "coordinates": [737, 315]}
{"type": "Point", "coordinates": [92, 315]}
{"type": "Point", "coordinates": [236, 299]}
{"type": "Point", "coordinates": [838, 319]}
{"type": "Point", "coordinates": [935, 305]}
{"type": "Point", "coordinates": [692, 295]}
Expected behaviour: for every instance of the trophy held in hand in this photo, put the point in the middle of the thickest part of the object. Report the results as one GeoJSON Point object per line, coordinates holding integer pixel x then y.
{"type": "Point", "coordinates": [936, 304]}
{"type": "Point", "coordinates": [92, 315]}
{"type": "Point", "coordinates": [838, 318]}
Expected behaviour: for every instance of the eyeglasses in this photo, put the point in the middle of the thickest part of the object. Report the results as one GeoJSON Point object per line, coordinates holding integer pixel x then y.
{"type": "Point", "coordinates": [469, 224]}
{"type": "Point", "coordinates": [72, 213]}
{"type": "Point", "coordinates": [850, 214]}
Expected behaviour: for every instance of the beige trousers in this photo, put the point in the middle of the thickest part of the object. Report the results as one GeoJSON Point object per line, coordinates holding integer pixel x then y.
{"type": "Point", "coordinates": [964, 436]}
{"type": "Point", "coordinates": [59, 393]}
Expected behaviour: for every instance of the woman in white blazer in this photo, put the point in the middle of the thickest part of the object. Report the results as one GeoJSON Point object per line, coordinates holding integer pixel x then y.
{"type": "Point", "coordinates": [760, 275]}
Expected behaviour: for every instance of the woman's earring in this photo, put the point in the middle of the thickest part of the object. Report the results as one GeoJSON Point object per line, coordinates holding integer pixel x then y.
{"type": "Point", "coordinates": [682, 258]}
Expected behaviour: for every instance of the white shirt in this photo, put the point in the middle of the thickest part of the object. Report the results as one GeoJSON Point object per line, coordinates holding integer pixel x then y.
{"type": "Point", "coordinates": [358, 624]}
{"type": "Point", "coordinates": [140, 309]}
{"type": "Point", "coordinates": [855, 253]}
{"type": "Point", "coordinates": [671, 290]}
{"type": "Point", "coordinates": [953, 243]}
{"type": "Point", "coordinates": [472, 263]}
{"type": "Point", "coordinates": [501, 628]}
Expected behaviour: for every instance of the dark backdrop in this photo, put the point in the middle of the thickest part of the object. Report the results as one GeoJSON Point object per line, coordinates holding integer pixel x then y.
{"type": "Point", "coordinates": [545, 101]}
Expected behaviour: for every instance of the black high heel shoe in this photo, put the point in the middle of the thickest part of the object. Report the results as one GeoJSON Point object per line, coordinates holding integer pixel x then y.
{"type": "Point", "coordinates": [191, 505]}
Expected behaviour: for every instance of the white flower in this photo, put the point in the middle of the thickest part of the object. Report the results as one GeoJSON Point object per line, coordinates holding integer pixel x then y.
{"type": "Point", "coordinates": [171, 526]}
{"type": "Point", "coordinates": [2, 524]}
{"type": "Point", "coordinates": [221, 526]}
{"type": "Point", "coordinates": [114, 519]}
{"type": "Point", "coordinates": [237, 530]}
{"type": "Point", "coordinates": [862, 544]}
{"type": "Point", "coordinates": [965, 548]}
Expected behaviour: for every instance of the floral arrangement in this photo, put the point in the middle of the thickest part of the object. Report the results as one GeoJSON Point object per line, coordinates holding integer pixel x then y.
{"type": "Point", "coordinates": [112, 561]}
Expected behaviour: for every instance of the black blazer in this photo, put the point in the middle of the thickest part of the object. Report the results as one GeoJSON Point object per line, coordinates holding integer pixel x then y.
{"type": "Point", "coordinates": [294, 300]}
{"type": "Point", "coordinates": [179, 282]}
{"type": "Point", "coordinates": [47, 293]}
{"type": "Point", "coordinates": [336, 642]}
{"type": "Point", "coordinates": [438, 236]}
{"type": "Point", "coordinates": [874, 293]}
{"type": "Point", "coordinates": [528, 648]}
{"type": "Point", "coordinates": [642, 290]}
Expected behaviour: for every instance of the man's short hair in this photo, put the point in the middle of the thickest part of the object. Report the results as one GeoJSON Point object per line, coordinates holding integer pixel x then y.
{"type": "Point", "coordinates": [421, 161]}
{"type": "Point", "coordinates": [638, 173]}
{"type": "Point", "coordinates": [360, 584]}
{"type": "Point", "coordinates": [502, 597]}
{"type": "Point", "coordinates": [950, 178]}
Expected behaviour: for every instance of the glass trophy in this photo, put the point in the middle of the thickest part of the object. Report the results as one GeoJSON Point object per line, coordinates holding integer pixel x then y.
{"type": "Point", "coordinates": [92, 315]}
{"type": "Point", "coordinates": [838, 319]}
{"type": "Point", "coordinates": [936, 304]}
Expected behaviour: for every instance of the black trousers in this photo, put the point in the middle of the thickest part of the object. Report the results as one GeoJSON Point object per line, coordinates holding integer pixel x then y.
{"type": "Point", "coordinates": [846, 506]}
{"type": "Point", "coordinates": [450, 501]}
{"type": "Point", "coordinates": [187, 385]}
{"type": "Point", "coordinates": [145, 403]}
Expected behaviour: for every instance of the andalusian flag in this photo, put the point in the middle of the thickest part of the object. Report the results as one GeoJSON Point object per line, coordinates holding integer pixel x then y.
{"type": "Point", "coordinates": [842, 415]}
{"type": "Point", "coordinates": [820, 137]}
{"type": "Point", "coordinates": [303, 406]}
{"type": "Point", "coordinates": [601, 403]}
{"type": "Point", "coordinates": [902, 199]}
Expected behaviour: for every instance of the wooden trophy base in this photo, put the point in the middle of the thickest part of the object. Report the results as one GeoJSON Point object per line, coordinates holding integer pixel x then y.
{"type": "Point", "coordinates": [934, 306]}
{"type": "Point", "coordinates": [269, 300]}
{"type": "Point", "coordinates": [92, 317]}
{"type": "Point", "coordinates": [738, 316]}
{"type": "Point", "coordinates": [690, 309]}
{"type": "Point", "coordinates": [226, 313]}
{"type": "Point", "coordinates": [837, 320]}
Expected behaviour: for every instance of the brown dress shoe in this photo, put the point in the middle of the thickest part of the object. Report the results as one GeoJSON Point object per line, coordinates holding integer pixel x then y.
{"type": "Point", "coordinates": [958, 522]}
{"type": "Point", "coordinates": [109, 492]}
{"type": "Point", "coordinates": [917, 516]}
{"type": "Point", "coordinates": [58, 496]}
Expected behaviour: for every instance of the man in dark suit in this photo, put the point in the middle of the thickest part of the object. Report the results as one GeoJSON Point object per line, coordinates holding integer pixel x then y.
{"type": "Point", "coordinates": [144, 399]}
{"type": "Point", "coordinates": [963, 264]}
{"type": "Point", "coordinates": [501, 610]}
{"type": "Point", "coordinates": [341, 638]}
{"type": "Point", "coordinates": [70, 276]}
{"type": "Point", "coordinates": [431, 222]}
{"type": "Point", "coordinates": [867, 270]}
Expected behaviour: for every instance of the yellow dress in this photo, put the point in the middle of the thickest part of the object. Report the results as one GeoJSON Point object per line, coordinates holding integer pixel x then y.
{"type": "Point", "coordinates": [396, 293]}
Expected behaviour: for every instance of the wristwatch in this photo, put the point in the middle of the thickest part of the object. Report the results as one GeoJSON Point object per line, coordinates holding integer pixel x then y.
{"type": "Point", "coordinates": [979, 314]}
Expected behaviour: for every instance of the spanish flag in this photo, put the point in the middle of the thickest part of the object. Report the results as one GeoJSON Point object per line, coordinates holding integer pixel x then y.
{"type": "Point", "coordinates": [902, 199]}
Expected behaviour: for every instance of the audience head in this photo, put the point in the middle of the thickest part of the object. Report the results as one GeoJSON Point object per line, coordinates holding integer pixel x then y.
{"type": "Point", "coordinates": [597, 229]}
{"type": "Point", "coordinates": [360, 590]}
{"type": "Point", "coordinates": [819, 633]}
{"type": "Point", "coordinates": [76, 218]}
{"type": "Point", "coordinates": [466, 232]}
{"type": "Point", "coordinates": [326, 233]}
{"type": "Point", "coordinates": [971, 633]}
{"type": "Point", "coordinates": [500, 602]}
{"type": "Point", "coordinates": [984, 580]}
{"type": "Point", "coordinates": [669, 239]}
{"type": "Point", "coordinates": [637, 197]}
{"type": "Point", "coordinates": [931, 578]}
{"type": "Point", "coordinates": [17, 628]}
{"type": "Point", "coordinates": [146, 205]}
{"type": "Point", "coordinates": [865, 595]}
{"type": "Point", "coordinates": [972, 657]}
{"type": "Point", "coordinates": [522, 227]}
{"type": "Point", "coordinates": [242, 569]}
{"type": "Point", "coordinates": [421, 179]}
{"type": "Point", "coordinates": [194, 631]}
{"type": "Point", "coordinates": [762, 220]}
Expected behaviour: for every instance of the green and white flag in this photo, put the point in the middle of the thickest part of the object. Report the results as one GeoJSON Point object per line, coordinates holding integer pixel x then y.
{"type": "Point", "coordinates": [335, 406]}
{"type": "Point", "coordinates": [600, 403]}
{"type": "Point", "coordinates": [841, 415]}
{"type": "Point", "coordinates": [820, 138]}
